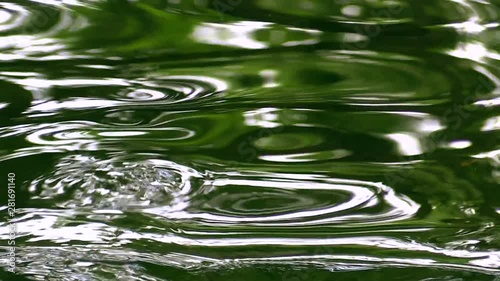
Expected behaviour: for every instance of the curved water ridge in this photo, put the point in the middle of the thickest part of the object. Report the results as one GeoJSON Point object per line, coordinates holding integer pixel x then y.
{"type": "Point", "coordinates": [307, 221]}
{"type": "Point", "coordinates": [87, 264]}
{"type": "Point", "coordinates": [119, 92]}
{"type": "Point", "coordinates": [340, 77]}
{"type": "Point", "coordinates": [29, 30]}
{"type": "Point", "coordinates": [180, 193]}
{"type": "Point", "coordinates": [251, 140]}
{"type": "Point", "coordinates": [293, 200]}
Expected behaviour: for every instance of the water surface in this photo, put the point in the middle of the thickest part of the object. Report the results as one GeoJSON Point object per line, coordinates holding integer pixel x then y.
{"type": "Point", "coordinates": [251, 139]}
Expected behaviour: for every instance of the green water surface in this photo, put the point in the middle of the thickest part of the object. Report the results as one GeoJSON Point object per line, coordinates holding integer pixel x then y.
{"type": "Point", "coordinates": [250, 140]}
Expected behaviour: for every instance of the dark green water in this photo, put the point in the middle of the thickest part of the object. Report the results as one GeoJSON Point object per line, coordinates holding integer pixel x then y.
{"type": "Point", "coordinates": [218, 140]}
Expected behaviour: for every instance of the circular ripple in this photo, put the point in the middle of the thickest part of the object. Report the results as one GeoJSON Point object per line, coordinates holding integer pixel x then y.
{"type": "Point", "coordinates": [112, 92]}
{"type": "Point", "coordinates": [118, 182]}
{"type": "Point", "coordinates": [28, 29]}
{"type": "Point", "coordinates": [84, 135]}
{"type": "Point", "coordinates": [357, 77]}
{"type": "Point", "coordinates": [295, 200]}
{"type": "Point", "coordinates": [171, 89]}
{"type": "Point", "coordinates": [12, 16]}
{"type": "Point", "coordinates": [143, 95]}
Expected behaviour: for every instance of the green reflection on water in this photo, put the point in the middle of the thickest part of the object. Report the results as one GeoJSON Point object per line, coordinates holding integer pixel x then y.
{"type": "Point", "coordinates": [254, 140]}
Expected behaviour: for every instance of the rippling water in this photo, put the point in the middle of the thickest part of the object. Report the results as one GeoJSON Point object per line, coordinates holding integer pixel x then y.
{"type": "Point", "coordinates": [251, 139]}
